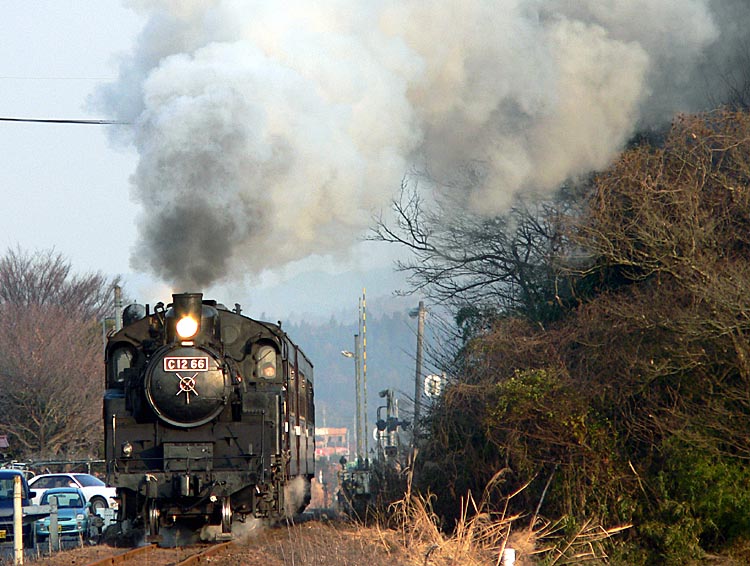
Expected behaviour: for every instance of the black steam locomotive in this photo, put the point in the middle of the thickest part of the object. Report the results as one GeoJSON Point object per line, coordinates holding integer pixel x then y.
{"type": "Point", "coordinates": [209, 418]}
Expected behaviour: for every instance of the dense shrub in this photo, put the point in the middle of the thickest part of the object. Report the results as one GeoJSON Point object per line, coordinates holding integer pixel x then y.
{"type": "Point", "coordinates": [636, 401]}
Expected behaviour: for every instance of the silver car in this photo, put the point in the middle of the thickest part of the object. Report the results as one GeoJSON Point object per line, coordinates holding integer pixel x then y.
{"type": "Point", "coordinates": [96, 491]}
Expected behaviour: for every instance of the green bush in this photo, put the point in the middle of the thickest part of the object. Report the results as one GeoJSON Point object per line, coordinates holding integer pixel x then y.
{"type": "Point", "coordinates": [699, 502]}
{"type": "Point", "coordinates": [715, 490]}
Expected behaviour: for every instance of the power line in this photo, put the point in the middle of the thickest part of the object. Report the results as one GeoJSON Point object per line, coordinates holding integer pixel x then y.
{"type": "Point", "coordinates": [21, 78]}
{"type": "Point", "coordinates": [64, 121]}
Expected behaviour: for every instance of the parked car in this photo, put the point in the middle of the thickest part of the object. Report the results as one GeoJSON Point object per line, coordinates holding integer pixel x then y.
{"type": "Point", "coordinates": [96, 491]}
{"type": "Point", "coordinates": [7, 481]}
{"type": "Point", "coordinates": [72, 514]}
{"type": "Point", "coordinates": [22, 467]}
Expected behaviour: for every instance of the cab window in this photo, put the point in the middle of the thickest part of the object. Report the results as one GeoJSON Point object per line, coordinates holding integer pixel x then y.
{"type": "Point", "coordinates": [122, 360]}
{"type": "Point", "coordinates": [266, 363]}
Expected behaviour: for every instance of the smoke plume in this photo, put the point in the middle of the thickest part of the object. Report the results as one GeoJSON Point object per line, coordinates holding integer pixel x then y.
{"type": "Point", "coordinates": [271, 131]}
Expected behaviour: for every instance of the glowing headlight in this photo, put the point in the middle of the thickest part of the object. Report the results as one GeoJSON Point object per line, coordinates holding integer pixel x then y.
{"type": "Point", "coordinates": [127, 449]}
{"type": "Point", "coordinates": [186, 327]}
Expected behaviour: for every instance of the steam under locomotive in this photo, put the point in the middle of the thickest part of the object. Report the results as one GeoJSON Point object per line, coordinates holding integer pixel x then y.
{"type": "Point", "coordinates": [208, 417]}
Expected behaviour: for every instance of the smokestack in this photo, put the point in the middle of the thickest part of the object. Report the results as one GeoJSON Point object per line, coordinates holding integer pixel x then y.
{"type": "Point", "coordinates": [268, 134]}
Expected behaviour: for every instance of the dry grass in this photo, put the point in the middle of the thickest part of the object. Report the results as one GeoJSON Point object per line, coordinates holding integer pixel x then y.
{"type": "Point", "coordinates": [482, 534]}
{"type": "Point", "coordinates": [335, 544]}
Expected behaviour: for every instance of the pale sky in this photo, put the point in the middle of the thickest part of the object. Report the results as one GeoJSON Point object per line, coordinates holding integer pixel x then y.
{"type": "Point", "coordinates": [66, 187]}
{"type": "Point", "coordinates": [63, 186]}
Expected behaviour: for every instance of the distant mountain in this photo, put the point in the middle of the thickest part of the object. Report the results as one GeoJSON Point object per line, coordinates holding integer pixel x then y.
{"type": "Point", "coordinates": [391, 345]}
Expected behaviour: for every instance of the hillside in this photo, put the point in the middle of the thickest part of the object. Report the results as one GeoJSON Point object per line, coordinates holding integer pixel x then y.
{"type": "Point", "coordinates": [391, 343]}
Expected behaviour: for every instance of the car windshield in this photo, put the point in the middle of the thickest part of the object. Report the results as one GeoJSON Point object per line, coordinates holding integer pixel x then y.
{"type": "Point", "coordinates": [6, 488]}
{"type": "Point", "coordinates": [46, 482]}
{"type": "Point", "coordinates": [64, 500]}
{"type": "Point", "coordinates": [87, 480]}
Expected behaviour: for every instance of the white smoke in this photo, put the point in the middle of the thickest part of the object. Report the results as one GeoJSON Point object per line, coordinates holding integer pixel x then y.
{"type": "Point", "coordinates": [271, 131]}
{"type": "Point", "coordinates": [296, 492]}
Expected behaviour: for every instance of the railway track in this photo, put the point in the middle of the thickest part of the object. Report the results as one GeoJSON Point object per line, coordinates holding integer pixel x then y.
{"type": "Point", "coordinates": [156, 556]}
{"type": "Point", "coordinates": [270, 546]}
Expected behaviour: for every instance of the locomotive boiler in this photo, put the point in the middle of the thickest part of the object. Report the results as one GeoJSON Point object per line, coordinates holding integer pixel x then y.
{"type": "Point", "coordinates": [209, 418]}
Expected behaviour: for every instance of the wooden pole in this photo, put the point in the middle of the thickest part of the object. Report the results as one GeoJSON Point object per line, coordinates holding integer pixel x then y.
{"type": "Point", "coordinates": [17, 520]}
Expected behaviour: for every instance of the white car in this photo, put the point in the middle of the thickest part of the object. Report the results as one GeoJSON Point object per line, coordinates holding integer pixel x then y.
{"type": "Point", "coordinates": [96, 491]}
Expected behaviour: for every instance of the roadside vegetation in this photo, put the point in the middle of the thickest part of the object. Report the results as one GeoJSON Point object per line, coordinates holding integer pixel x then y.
{"type": "Point", "coordinates": [603, 348]}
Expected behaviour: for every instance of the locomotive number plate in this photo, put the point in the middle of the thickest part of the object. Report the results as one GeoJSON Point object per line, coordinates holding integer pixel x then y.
{"type": "Point", "coordinates": [186, 363]}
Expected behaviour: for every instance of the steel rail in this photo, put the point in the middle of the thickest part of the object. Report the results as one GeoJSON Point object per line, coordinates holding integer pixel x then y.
{"type": "Point", "coordinates": [124, 557]}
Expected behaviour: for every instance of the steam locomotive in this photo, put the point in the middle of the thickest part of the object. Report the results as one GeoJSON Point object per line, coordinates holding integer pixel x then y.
{"type": "Point", "coordinates": [209, 419]}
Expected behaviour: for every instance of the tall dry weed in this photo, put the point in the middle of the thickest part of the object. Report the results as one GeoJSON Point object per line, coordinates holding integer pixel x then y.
{"type": "Point", "coordinates": [482, 534]}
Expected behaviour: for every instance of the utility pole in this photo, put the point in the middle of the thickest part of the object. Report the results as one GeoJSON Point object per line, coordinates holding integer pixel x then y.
{"type": "Point", "coordinates": [358, 396]}
{"type": "Point", "coordinates": [420, 314]}
{"type": "Point", "coordinates": [363, 330]}
{"type": "Point", "coordinates": [360, 378]}
{"type": "Point", "coordinates": [358, 386]}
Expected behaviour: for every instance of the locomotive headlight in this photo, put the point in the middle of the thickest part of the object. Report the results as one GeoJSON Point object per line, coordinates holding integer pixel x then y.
{"type": "Point", "coordinates": [127, 449]}
{"type": "Point", "coordinates": [186, 327]}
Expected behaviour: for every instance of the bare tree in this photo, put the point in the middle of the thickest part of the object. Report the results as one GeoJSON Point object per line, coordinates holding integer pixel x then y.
{"type": "Point", "coordinates": [47, 278]}
{"type": "Point", "coordinates": [507, 264]}
{"type": "Point", "coordinates": [50, 355]}
{"type": "Point", "coordinates": [50, 380]}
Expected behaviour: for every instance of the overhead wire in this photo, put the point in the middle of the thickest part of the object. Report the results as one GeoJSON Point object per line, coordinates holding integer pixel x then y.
{"type": "Point", "coordinates": [65, 121]}
{"type": "Point", "coordinates": [62, 121]}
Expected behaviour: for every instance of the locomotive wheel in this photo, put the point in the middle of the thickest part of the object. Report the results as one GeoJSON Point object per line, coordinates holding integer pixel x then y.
{"type": "Point", "coordinates": [226, 515]}
{"type": "Point", "coordinates": [153, 518]}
